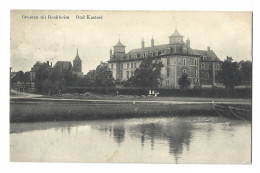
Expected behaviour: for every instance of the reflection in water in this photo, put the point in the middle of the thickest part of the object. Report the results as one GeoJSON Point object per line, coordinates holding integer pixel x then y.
{"type": "Point", "coordinates": [119, 133]}
{"type": "Point", "coordinates": [178, 134]}
{"type": "Point", "coordinates": [175, 132]}
{"type": "Point", "coordinates": [153, 140]}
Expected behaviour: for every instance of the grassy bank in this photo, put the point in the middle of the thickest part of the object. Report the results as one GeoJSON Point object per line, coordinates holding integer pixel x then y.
{"type": "Point", "coordinates": [33, 111]}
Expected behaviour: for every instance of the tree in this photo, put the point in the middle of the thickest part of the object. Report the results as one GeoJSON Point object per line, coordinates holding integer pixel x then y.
{"type": "Point", "coordinates": [184, 82]}
{"type": "Point", "coordinates": [42, 74]}
{"type": "Point", "coordinates": [18, 77]}
{"type": "Point", "coordinates": [230, 75]}
{"type": "Point", "coordinates": [246, 70]}
{"type": "Point", "coordinates": [148, 75]}
{"type": "Point", "coordinates": [26, 77]}
{"type": "Point", "coordinates": [91, 78]}
{"type": "Point", "coordinates": [103, 76]}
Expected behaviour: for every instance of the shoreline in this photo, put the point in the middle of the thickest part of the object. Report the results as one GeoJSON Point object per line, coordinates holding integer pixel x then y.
{"type": "Point", "coordinates": [39, 109]}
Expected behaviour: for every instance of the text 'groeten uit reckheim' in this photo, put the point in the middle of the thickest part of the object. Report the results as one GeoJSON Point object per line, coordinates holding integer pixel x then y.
{"type": "Point", "coordinates": [43, 17]}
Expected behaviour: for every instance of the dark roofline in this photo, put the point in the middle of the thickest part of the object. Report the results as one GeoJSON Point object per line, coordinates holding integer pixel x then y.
{"type": "Point", "coordinates": [156, 57]}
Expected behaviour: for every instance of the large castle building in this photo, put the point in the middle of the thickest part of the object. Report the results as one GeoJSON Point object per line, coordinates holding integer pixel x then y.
{"type": "Point", "coordinates": [201, 66]}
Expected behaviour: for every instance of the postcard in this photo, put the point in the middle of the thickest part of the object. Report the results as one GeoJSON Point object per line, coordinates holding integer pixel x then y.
{"type": "Point", "coordinates": [169, 87]}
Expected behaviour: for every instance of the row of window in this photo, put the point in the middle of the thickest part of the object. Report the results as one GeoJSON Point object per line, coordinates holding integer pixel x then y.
{"type": "Point", "coordinates": [206, 66]}
{"type": "Point", "coordinates": [183, 61]}
{"type": "Point", "coordinates": [144, 55]}
{"type": "Point", "coordinates": [184, 72]}
{"type": "Point", "coordinates": [127, 74]}
{"type": "Point", "coordinates": [133, 65]}
{"type": "Point", "coordinates": [203, 65]}
{"type": "Point", "coordinates": [168, 81]}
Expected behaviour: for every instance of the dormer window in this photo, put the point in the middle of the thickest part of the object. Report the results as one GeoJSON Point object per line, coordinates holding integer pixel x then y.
{"type": "Point", "coordinates": [156, 53]}
{"type": "Point", "coordinates": [202, 66]}
{"type": "Point", "coordinates": [204, 58]}
{"type": "Point", "coordinates": [142, 55]}
{"type": "Point", "coordinates": [184, 50]}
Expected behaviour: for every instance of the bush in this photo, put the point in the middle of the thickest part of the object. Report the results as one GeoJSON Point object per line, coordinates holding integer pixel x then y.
{"type": "Point", "coordinates": [199, 92]}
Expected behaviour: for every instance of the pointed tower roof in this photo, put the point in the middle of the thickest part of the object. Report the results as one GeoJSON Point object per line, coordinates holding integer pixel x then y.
{"type": "Point", "coordinates": [176, 34]}
{"type": "Point", "coordinates": [77, 56]}
{"type": "Point", "coordinates": [119, 44]}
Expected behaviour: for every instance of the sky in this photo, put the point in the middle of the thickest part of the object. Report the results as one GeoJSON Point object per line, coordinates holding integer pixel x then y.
{"type": "Point", "coordinates": [227, 33]}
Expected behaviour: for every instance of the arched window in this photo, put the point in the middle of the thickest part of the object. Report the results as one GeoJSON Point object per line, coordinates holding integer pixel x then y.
{"type": "Point", "coordinates": [184, 71]}
{"type": "Point", "coordinates": [184, 61]}
{"type": "Point", "coordinates": [195, 61]}
{"type": "Point", "coordinates": [196, 73]}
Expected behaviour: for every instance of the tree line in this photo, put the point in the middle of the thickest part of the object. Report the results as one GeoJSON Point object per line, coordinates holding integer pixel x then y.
{"type": "Point", "coordinates": [147, 75]}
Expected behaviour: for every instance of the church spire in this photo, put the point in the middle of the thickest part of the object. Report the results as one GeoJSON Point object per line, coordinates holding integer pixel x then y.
{"type": "Point", "coordinates": [77, 51]}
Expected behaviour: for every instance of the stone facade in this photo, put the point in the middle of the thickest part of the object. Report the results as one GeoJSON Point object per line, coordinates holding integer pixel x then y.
{"type": "Point", "coordinates": [178, 57]}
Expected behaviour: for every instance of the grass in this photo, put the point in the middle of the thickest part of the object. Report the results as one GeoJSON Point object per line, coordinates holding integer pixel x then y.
{"type": "Point", "coordinates": [65, 111]}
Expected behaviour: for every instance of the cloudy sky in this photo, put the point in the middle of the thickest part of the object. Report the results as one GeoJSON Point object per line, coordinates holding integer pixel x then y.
{"type": "Point", "coordinates": [227, 33]}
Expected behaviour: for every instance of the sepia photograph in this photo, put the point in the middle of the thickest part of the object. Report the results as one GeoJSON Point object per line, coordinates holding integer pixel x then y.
{"type": "Point", "coordinates": [158, 87]}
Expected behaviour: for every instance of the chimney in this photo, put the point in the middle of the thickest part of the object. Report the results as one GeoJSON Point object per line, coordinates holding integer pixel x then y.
{"type": "Point", "coordinates": [110, 52]}
{"type": "Point", "coordinates": [208, 48]}
{"type": "Point", "coordinates": [48, 63]}
{"type": "Point", "coordinates": [152, 42]}
{"type": "Point", "coordinates": [142, 43]}
{"type": "Point", "coordinates": [188, 42]}
{"type": "Point", "coordinates": [51, 64]}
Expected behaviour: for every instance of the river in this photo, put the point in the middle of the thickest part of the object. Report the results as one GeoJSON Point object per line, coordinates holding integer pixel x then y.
{"type": "Point", "coordinates": [194, 139]}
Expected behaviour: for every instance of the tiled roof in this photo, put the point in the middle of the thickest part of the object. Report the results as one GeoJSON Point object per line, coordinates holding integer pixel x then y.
{"type": "Point", "coordinates": [63, 65]}
{"type": "Point", "coordinates": [162, 48]}
{"type": "Point", "coordinates": [149, 49]}
{"type": "Point", "coordinates": [211, 56]}
{"type": "Point", "coordinates": [119, 44]}
{"type": "Point", "coordinates": [176, 34]}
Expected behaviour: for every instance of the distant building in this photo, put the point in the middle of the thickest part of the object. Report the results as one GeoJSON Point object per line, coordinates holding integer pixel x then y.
{"type": "Point", "coordinates": [177, 56]}
{"type": "Point", "coordinates": [36, 67]}
{"type": "Point", "coordinates": [77, 63]}
{"type": "Point", "coordinates": [66, 65]}
{"type": "Point", "coordinates": [77, 66]}
{"type": "Point", "coordinates": [63, 65]}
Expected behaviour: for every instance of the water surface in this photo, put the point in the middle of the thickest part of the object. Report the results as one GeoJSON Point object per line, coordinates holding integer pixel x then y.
{"type": "Point", "coordinates": [196, 139]}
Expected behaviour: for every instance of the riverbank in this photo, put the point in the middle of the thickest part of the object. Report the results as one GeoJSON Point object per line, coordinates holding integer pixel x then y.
{"type": "Point", "coordinates": [34, 109]}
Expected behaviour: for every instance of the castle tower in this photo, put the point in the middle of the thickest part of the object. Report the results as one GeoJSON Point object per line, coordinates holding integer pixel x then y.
{"type": "Point", "coordinates": [176, 38]}
{"type": "Point", "coordinates": [119, 50]}
{"type": "Point", "coordinates": [77, 63]}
